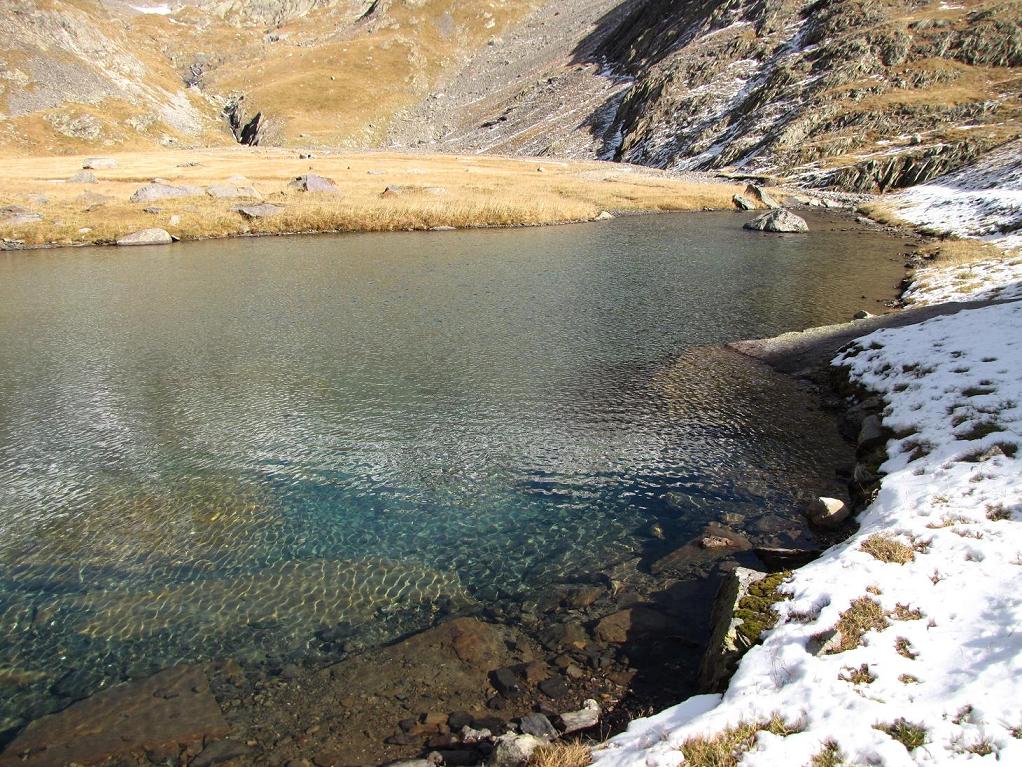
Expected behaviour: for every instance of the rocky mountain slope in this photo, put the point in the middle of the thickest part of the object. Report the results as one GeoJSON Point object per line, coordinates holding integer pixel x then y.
{"type": "Point", "coordinates": [864, 95]}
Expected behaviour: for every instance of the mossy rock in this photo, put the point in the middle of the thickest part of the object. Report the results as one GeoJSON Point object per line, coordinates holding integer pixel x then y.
{"type": "Point", "coordinates": [756, 609]}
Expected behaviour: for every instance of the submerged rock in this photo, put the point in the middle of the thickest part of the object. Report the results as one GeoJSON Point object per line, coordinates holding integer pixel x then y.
{"type": "Point", "coordinates": [146, 237]}
{"type": "Point", "coordinates": [778, 221]}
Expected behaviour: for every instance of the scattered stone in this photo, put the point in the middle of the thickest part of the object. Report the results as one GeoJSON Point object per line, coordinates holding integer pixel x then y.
{"type": "Point", "coordinates": [146, 237]}
{"type": "Point", "coordinates": [161, 191]}
{"type": "Point", "coordinates": [472, 735]}
{"type": "Point", "coordinates": [173, 706]}
{"type": "Point", "coordinates": [505, 681]}
{"type": "Point", "coordinates": [778, 221]}
{"type": "Point", "coordinates": [825, 643]}
{"type": "Point", "coordinates": [92, 200]}
{"type": "Point", "coordinates": [99, 163]}
{"type": "Point", "coordinates": [862, 314]}
{"type": "Point", "coordinates": [260, 210]}
{"type": "Point", "coordinates": [457, 720]}
{"type": "Point", "coordinates": [460, 757]}
{"type": "Point", "coordinates": [604, 215]}
{"type": "Point", "coordinates": [15, 214]}
{"type": "Point", "coordinates": [513, 750]}
{"type": "Point", "coordinates": [554, 687]}
{"type": "Point", "coordinates": [586, 717]}
{"type": "Point", "coordinates": [313, 183]}
{"type": "Point", "coordinates": [827, 513]}
{"type": "Point", "coordinates": [743, 203]}
{"type": "Point", "coordinates": [307, 155]}
{"type": "Point", "coordinates": [577, 597]}
{"type": "Point", "coordinates": [538, 725]}
{"type": "Point", "coordinates": [227, 191]}
{"type": "Point", "coordinates": [83, 177]}
{"type": "Point", "coordinates": [392, 191]}
{"type": "Point", "coordinates": [219, 751]}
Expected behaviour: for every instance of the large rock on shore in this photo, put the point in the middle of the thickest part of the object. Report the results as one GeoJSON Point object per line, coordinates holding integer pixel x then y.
{"type": "Point", "coordinates": [161, 191]}
{"type": "Point", "coordinates": [778, 221]}
{"type": "Point", "coordinates": [166, 712]}
{"type": "Point", "coordinates": [313, 183]}
{"type": "Point", "coordinates": [146, 237]}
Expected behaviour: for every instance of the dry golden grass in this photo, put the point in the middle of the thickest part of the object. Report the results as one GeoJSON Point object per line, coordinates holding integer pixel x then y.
{"type": "Point", "coordinates": [562, 753]}
{"type": "Point", "coordinates": [887, 549]}
{"type": "Point", "coordinates": [882, 213]}
{"type": "Point", "coordinates": [962, 252]}
{"type": "Point", "coordinates": [726, 748]}
{"type": "Point", "coordinates": [435, 191]}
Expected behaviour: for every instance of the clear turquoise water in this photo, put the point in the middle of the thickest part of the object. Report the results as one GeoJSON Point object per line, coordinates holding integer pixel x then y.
{"type": "Point", "coordinates": [220, 448]}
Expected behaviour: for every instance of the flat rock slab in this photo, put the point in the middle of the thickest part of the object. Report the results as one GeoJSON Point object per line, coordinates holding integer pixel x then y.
{"type": "Point", "coordinates": [313, 183]}
{"type": "Point", "coordinates": [168, 710]}
{"type": "Point", "coordinates": [225, 191]}
{"type": "Point", "coordinates": [262, 210]}
{"type": "Point", "coordinates": [147, 237]}
{"type": "Point", "coordinates": [162, 191]}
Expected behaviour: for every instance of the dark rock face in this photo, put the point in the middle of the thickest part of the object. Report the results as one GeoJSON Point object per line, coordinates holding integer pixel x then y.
{"type": "Point", "coordinates": [811, 88]}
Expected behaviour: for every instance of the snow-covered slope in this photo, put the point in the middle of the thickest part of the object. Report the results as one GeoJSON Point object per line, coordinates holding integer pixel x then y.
{"type": "Point", "coordinates": [932, 579]}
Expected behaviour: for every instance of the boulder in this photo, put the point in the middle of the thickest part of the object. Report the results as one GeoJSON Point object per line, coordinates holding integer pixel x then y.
{"type": "Point", "coordinates": [604, 215]}
{"type": "Point", "coordinates": [15, 214]}
{"type": "Point", "coordinates": [161, 191]}
{"type": "Point", "coordinates": [726, 645]}
{"type": "Point", "coordinates": [261, 210]}
{"type": "Point", "coordinates": [778, 221]}
{"type": "Point", "coordinates": [83, 177]}
{"type": "Point", "coordinates": [226, 191]}
{"type": "Point", "coordinates": [743, 203]}
{"type": "Point", "coordinates": [146, 237]}
{"type": "Point", "coordinates": [538, 725]}
{"type": "Point", "coordinates": [716, 541]}
{"type": "Point", "coordinates": [586, 717]}
{"type": "Point", "coordinates": [761, 196]}
{"type": "Point", "coordinates": [827, 513]}
{"type": "Point", "coordinates": [99, 163]}
{"type": "Point", "coordinates": [871, 434]}
{"type": "Point", "coordinates": [313, 183]}
{"type": "Point", "coordinates": [513, 750]}
{"type": "Point", "coordinates": [862, 314]}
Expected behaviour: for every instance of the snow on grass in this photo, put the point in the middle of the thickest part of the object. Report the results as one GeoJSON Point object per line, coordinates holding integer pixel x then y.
{"type": "Point", "coordinates": [927, 668]}
{"type": "Point", "coordinates": [902, 645]}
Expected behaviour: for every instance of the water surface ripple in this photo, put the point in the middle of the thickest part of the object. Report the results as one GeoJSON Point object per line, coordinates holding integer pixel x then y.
{"type": "Point", "coordinates": [219, 448]}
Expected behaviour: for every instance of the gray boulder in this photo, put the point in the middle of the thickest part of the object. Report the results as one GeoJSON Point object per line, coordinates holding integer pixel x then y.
{"type": "Point", "coordinates": [778, 221]}
{"type": "Point", "coordinates": [827, 513]}
{"type": "Point", "coordinates": [160, 191]}
{"type": "Point", "coordinates": [538, 725]}
{"type": "Point", "coordinates": [743, 203]}
{"type": "Point", "coordinates": [226, 191]}
{"type": "Point", "coordinates": [513, 750]}
{"type": "Point", "coordinates": [761, 196]}
{"type": "Point", "coordinates": [146, 237]}
{"type": "Point", "coordinates": [313, 183]}
{"type": "Point", "coordinates": [83, 177]}
{"type": "Point", "coordinates": [586, 717]}
{"type": "Point", "coordinates": [99, 163]}
{"type": "Point", "coordinates": [15, 214]}
{"type": "Point", "coordinates": [260, 210]}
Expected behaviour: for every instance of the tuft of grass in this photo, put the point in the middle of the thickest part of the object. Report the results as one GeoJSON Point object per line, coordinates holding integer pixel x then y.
{"type": "Point", "coordinates": [828, 756]}
{"type": "Point", "coordinates": [904, 648]}
{"type": "Point", "coordinates": [997, 513]}
{"type": "Point", "coordinates": [910, 735]}
{"type": "Point", "coordinates": [860, 675]}
{"type": "Point", "coordinates": [980, 430]}
{"type": "Point", "coordinates": [562, 753]}
{"type": "Point", "coordinates": [887, 549]}
{"type": "Point", "coordinates": [726, 748]}
{"type": "Point", "coordinates": [905, 613]}
{"type": "Point", "coordinates": [862, 616]}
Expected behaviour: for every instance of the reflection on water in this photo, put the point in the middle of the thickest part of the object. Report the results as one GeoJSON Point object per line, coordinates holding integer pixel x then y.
{"type": "Point", "coordinates": [223, 448]}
